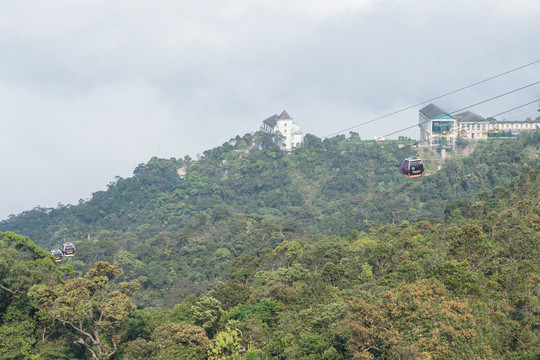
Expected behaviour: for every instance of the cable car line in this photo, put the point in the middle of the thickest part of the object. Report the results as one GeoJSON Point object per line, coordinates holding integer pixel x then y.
{"type": "Point", "coordinates": [495, 97]}
{"type": "Point", "coordinates": [433, 99]}
{"type": "Point", "coordinates": [425, 122]}
{"type": "Point", "coordinates": [517, 107]}
{"type": "Point", "coordinates": [509, 110]}
{"type": "Point", "coordinates": [414, 166]}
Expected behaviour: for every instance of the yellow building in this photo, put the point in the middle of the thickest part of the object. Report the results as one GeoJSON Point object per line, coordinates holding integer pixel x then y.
{"type": "Point", "coordinates": [434, 122]}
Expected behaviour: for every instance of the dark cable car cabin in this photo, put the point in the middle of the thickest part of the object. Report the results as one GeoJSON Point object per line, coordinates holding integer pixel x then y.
{"type": "Point", "coordinates": [412, 167]}
{"type": "Point", "coordinates": [68, 249]}
{"type": "Point", "coordinates": [57, 253]}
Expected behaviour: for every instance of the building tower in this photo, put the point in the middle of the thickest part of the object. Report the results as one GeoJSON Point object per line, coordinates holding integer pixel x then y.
{"type": "Point", "coordinates": [437, 128]}
{"type": "Point", "coordinates": [284, 124]}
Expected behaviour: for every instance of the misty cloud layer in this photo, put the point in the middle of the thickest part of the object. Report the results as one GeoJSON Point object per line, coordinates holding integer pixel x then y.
{"type": "Point", "coordinates": [90, 89]}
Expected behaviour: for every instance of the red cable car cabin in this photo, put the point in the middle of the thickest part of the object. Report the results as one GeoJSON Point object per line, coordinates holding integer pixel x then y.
{"type": "Point", "coordinates": [412, 167]}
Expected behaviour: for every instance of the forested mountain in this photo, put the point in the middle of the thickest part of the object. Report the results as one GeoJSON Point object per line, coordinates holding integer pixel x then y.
{"type": "Point", "coordinates": [247, 196]}
{"type": "Point", "coordinates": [327, 252]}
{"type": "Point", "coordinates": [464, 287]}
{"type": "Point", "coordinates": [312, 185]}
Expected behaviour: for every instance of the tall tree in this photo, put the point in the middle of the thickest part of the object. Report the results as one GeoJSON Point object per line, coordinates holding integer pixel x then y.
{"type": "Point", "coordinates": [94, 306]}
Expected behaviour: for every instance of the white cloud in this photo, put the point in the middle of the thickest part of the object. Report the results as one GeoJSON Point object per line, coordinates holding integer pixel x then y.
{"type": "Point", "coordinates": [510, 10]}
{"type": "Point", "coordinates": [91, 88]}
{"type": "Point", "coordinates": [314, 9]}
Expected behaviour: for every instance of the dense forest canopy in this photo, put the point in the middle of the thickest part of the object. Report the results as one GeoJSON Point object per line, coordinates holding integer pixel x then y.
{"type": "Point", "coordinates": [251, 175]}
{"type": "Point", "coordinates": [326, 252]}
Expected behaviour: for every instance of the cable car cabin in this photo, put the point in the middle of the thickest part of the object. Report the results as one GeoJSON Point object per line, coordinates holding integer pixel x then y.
{"type": "Point", "coordinates": [57, 253]}
{"type": "Point", "coordinates": [68, 249]}
{"type": "Point", "coordinates": [412, 167]}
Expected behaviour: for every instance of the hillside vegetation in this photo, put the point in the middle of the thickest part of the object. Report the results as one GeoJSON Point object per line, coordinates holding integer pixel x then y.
{"type": "Point", "coordinates": [324, 253]}
{"type": "Point", "coordinates": [248, 196]}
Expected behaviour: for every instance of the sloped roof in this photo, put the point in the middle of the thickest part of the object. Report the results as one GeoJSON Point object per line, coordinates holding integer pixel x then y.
{"type": "Point", "coordinates": [284, 116]}
{"type": "Point", "coordinates": [469, 116]}
{"type": "Point", "coordinates": [272, 120]}
{"type": "Point", "coordinates": [432, 111]}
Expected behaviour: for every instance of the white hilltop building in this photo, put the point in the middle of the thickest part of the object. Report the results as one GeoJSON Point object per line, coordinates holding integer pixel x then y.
{"type": "Point", "coordinates": [285, 126]}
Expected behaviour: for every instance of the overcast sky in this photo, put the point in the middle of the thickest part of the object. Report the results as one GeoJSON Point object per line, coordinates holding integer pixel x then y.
{"type": "Point", "coordinates": [89, 89]}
